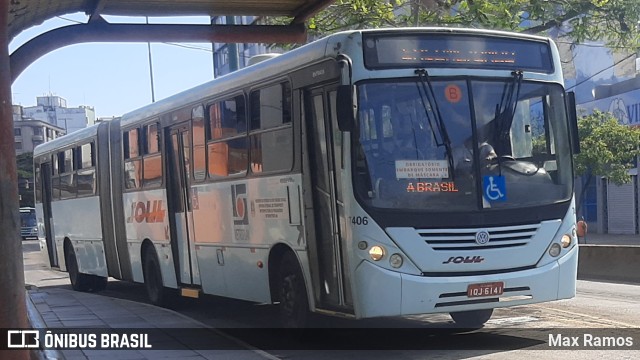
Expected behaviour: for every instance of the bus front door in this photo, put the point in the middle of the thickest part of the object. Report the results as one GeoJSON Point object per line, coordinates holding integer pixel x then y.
{"type": "Point", "coordinates": [180, 204]}
{"type": "Point", "coordinates": [45, 172]}
{"type": "Point", "coordinates": [328, 256]}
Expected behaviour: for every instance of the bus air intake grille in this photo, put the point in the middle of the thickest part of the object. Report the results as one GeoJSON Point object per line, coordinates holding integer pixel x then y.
{"type": "Point", "coordinates": [465, 239]}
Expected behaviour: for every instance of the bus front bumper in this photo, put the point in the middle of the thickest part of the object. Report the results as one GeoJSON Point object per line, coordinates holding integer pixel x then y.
{"type": "Point", "coordinates": [382, 292]}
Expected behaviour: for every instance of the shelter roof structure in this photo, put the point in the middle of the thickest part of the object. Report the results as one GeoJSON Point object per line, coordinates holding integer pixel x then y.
{"type": "Point", "coordinates": [24, 14]}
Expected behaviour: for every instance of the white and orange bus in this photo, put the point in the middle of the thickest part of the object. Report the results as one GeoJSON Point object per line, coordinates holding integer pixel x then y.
{"type": "Point", "coordinates": [371, 173]}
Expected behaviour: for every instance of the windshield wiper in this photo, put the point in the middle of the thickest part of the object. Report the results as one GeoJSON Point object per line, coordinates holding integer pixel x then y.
{"type": "Point", "coordinates": [505, 111]}
{"type": "Point", "coordinates": [435, 118]}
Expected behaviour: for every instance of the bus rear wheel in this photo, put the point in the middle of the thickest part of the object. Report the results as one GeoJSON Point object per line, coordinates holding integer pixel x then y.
{"type": "Point", "coordinates": [98, 283]}
{"type": "Point", "coordinates": [294, 305]}
{"type": "Point", "coordinates": [79, 281]}
{"type": "Point", "coordinates": [157, 293]}
{"type": "Point", "coordinates": [472, 319]}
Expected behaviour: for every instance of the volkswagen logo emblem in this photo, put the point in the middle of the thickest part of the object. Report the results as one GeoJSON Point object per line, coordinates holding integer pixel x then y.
{"type": "Point", "coordinates": [482, 237]}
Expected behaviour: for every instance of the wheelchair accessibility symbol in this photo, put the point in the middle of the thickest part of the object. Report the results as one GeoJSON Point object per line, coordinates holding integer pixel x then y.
{"type": "Point", "coordinates": [494, 188]}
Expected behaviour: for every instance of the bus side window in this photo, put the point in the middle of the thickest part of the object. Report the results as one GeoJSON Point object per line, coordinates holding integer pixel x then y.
{"type": "Point", "coordinates": [199, 141]}
{"type": "Point", "coordinates": [86, 174]}
{"type": "Point", "coordinates": [67, 186]}
{"type": "Point", "coordinates": [55, 180]}
{"type": "Point", "coordinates": [227, 150]}
{"type": "Point", "coordinates": [132, 163]}
{"type": "Point", "coordinates": [271, 137]}
{"type": "Point", "coordinates": [151, 157]}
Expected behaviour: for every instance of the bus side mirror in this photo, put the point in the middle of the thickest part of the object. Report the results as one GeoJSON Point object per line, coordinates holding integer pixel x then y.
{"type": "Point", "coordinates": [346, 108]}
{"type": "Point", "coordinates": [573, 121]}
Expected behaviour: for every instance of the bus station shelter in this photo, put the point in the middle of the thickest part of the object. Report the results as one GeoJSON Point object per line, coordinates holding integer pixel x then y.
{"type": "Point", "coordinates": [19, 15]}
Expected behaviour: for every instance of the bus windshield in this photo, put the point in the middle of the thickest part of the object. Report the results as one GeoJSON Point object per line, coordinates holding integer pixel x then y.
{"type": "Point", "coordinates": [508, 140]}
{"type": "Point", "coordinates": [27, 218]}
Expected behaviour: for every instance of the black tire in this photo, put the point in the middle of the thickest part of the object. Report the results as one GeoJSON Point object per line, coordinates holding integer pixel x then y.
{"type": "Point", "coordinates": [79, 281]}
{"type": "Point", "coordinates": [156, 292]}
{"type": "Point", "coordinates": [292, 294]}
{"type": "Point", "coordinates": [472, 319]}
{"type": "Point", "coordinates": [98, 283]}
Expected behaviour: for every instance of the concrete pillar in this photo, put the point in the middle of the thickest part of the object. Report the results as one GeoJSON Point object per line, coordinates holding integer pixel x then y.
{"type": "Point", "coordinates": [12, 301]}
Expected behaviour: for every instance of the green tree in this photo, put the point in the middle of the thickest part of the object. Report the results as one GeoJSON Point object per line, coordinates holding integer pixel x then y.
{"type": "Point", "coordinates": [607, 148]}
{"type": "Point", "coordinates": [613, 21]}
{"type": "Point", "coordinates": [25, 179]}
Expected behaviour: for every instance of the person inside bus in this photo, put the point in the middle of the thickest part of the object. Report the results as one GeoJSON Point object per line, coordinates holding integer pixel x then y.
{"type": "Point", "coordinates": [407, 139]}
{"type": "Point", "coordinates": [403, 144]}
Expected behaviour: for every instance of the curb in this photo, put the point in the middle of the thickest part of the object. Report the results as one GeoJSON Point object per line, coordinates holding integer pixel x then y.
{"type": "Point", "coordinates": [612, 263]}
{"type": "Point", "coordinates": [37, 322]}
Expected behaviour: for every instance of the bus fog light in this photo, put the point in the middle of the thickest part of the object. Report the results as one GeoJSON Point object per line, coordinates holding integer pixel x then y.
{"type": "Point", "coordinates": [376, 252]}
{"type": "Point", "coordinates": [362, 245]}
{"type": "Point", "coordinates": [395, 260]}
{"type": "Point", "coordinates": [566, 241]}
{"type": "Point", "coordinates": [554, 250]}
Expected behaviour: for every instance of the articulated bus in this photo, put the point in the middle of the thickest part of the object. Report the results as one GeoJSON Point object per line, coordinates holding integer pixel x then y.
{"type": "Point", "coordinates": [371, 173]}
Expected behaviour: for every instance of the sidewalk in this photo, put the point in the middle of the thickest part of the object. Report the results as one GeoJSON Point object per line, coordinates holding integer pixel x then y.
{"type": "Point", "coordinates": [55, 307]}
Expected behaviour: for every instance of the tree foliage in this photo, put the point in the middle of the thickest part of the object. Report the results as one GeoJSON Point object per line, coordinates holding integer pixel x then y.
{"type": "Point", "coordinates": [613, 21]}
{"type": "Point", "coordinates": [608, 148]}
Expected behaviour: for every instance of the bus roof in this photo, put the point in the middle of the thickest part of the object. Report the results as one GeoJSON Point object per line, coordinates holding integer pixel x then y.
{"type": "Point", "coordinates": [66, 140]}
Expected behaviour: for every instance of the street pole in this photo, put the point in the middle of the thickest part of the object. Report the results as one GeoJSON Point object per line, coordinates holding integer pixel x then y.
{"type": "Point", "coordinates": [153, 95]}
{"type": "Point", "coordinates": [13, 313]}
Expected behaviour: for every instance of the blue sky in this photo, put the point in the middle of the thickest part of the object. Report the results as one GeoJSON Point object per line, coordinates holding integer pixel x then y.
{"type": "Point", "coordinates": [111, 77]}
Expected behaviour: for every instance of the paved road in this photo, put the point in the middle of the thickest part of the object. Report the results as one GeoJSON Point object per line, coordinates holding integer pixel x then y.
{"type": "Point", "coordinates": [597, 306]}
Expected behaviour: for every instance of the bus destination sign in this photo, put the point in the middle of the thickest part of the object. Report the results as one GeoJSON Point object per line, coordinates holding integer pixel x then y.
{"type": "Point", "coordinates": [456, 51]}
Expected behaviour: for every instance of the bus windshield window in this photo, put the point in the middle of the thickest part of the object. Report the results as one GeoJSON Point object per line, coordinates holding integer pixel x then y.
{"type": "Point", "coordinates": [402, 162]}
{"type": "Point", "coordinates": [27, 218]}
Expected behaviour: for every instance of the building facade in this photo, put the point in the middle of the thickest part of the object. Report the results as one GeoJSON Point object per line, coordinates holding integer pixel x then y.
{"type": "Point", "coordinates": [53, 110]}
{"type": "Point", "coordinates": [29, 133]}
{"type": "Point", "coordinates": [230, 57]}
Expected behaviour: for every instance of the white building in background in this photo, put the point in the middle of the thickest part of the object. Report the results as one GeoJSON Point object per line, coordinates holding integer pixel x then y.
{"type": "Point", "coordinates": [29, 133]}
{"type": "Point", "coordinates": [53, 110]}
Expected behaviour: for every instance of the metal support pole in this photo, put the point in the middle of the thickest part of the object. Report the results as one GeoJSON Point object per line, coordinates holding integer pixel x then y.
{"type": "Point", "coordinates": [13, 313]}
{"type": "Point", "coordinates": [234, 64]}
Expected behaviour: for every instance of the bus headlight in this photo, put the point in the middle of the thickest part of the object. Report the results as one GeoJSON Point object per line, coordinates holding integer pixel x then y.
{"type": "Point", "coordinates": [554, 250]}
{"type": "Point", "coordinates": [376, 252]}
{"type": "Point", "coordinates": [395, 260]}
{"type": "Point", "coordinates": [565, 241]}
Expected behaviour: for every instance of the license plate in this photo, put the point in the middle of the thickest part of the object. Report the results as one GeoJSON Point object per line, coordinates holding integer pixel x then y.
{"type": "Point", "coordinates": [485, 289]}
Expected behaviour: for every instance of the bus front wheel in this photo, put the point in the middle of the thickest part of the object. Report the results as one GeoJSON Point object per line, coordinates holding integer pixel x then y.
{"type": "Point", "coordinates": [472, 319]}
{"type": "Point", "coordinates": [294, 306]}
